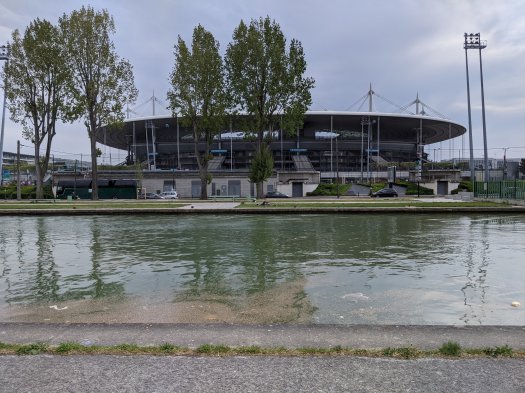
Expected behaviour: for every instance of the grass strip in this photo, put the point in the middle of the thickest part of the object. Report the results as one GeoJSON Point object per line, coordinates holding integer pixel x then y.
{"type": "Point", "coordinates": [447, 350]}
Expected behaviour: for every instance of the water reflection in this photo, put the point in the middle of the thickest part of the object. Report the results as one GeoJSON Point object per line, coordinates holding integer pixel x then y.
{"type": "Point", "coordinates": [407, 268]}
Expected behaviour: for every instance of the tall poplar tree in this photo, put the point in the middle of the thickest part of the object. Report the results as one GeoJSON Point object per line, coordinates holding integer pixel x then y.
{"type": "Point", "coordinates": [197, 94]}
{"type": "Point", "coordinates": [266, 80]}
{"type": "Point", "coordinates": [102, 83]}
{"type": "Point", "coordinates": [36, 89]}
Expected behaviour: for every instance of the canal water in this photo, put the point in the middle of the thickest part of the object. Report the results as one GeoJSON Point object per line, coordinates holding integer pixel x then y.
{"type": "Point", "coordinates": [324, 269]}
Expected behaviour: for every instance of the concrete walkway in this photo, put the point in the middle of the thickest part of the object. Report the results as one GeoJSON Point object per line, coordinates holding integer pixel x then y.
{"type": "Point", "coordinates": [211, 206]}
{"type": "Point", "coordinates": [288, 336]}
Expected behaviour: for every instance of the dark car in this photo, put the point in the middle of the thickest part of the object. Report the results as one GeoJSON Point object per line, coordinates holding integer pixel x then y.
{"type": "Point", "coordinates": [385, 193]}
{"type": "Point", "coordinates": [275, 194]}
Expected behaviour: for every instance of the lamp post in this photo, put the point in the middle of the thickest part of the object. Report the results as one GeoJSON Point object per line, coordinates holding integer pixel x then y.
{"type": "Point", "coordinates": [473, 41]}
{"type": "Point", "coordinates": [4, 55]}
{"type": "Point", "coordinates": [364, 120]}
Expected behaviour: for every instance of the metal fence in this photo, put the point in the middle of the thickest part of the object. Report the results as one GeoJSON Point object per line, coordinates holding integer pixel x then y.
{"type": "Point", "coordinates": [505, 189]}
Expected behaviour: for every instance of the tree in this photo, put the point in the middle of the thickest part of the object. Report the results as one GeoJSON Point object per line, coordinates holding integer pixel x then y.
{"type": "Point", "coordinates": [522, 166]}
{"type": "Point", "coordinates": [262, 165]}
{"type": "Point", "coordinates": [267, 81]}
{"type": "Point", "coordinates": [37, 89]}
{"type": "Point", "coordinates": [198, 94]}
{"type": "Point", "coordinates": [102, 83]}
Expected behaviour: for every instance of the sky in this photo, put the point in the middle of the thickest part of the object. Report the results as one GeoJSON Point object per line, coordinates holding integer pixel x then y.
{"type": "Point", "coordinates": [400, 47]}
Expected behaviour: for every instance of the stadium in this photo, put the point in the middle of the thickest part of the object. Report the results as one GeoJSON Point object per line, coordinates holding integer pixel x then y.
{"type": "Point", "coordinates": [348, 145]}
{"type": "Point", "coordinates": [350, 141]}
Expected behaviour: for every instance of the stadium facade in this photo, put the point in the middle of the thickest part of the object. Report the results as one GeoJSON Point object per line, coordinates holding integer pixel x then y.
{"type": "Point", "coordinates": [328, 141]}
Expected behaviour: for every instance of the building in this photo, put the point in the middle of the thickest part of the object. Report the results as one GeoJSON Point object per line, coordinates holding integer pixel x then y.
{"type": "Point", "coordinates": [328, 141]}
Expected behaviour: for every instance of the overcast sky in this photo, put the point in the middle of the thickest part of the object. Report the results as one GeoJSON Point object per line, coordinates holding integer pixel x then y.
{"type": "Point", "coordinates": [401, 47]}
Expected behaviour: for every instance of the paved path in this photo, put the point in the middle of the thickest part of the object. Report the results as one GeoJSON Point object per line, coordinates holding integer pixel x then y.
{"type": "Point", "coordinates": [105, 373]}
{"type": "Point", "coordinates": [289, 336]}
{"type": "Point", "coordinates": [211, 205]}
{"type": "Point", "coordinates": [266, 374]}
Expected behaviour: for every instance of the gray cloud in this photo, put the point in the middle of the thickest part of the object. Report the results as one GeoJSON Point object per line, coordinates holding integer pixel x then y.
{"type": "Point", "coordinates": [402, 47]}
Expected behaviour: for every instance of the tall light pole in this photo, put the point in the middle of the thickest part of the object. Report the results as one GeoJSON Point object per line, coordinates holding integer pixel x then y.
{"type": "Point", "coordinates": [473, 41]}
{"type": "Point", "coordinates": [4, 55]}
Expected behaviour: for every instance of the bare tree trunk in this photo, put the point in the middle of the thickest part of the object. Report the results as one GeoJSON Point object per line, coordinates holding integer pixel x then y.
{"type": "Point", "coordinates": [38, 174]}
{"type": "Point", "coordinates": [204, 184]}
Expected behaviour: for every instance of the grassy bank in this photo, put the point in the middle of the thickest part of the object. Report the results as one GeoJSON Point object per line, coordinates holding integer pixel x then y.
{"type": "Point", "coordinates": [447, 350]}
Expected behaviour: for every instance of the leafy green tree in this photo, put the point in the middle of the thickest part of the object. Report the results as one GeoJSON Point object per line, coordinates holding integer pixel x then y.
{"type": "Point", "coordinates": [262, 165]}
{"type": "Point", "coordinates": [102, 83]}
{"type": "Point", "coordinates": [36, 90]}
{"type": "Point", "coordinates": [198, 94]}
{"type": "Point", "coordinates": [266, 81]}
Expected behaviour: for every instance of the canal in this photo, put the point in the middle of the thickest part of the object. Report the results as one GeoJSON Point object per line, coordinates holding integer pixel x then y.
{"type": "Point", "coordinates": [325, 269]}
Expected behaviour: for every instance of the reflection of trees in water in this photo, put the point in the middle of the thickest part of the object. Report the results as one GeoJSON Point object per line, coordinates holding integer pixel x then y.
{"type": "Point", "coordinates": [38, 275]}
{"type": "Point", "coordinates": [270, 245]}
{"type": "Point", "coordinates": [98, 288]}
{"type": "Point", "coordinates": [40, 279]}
{"type": "Point", "coordinates": [235, 257]}
{"type": "Point", "coordinates": [46, 274]}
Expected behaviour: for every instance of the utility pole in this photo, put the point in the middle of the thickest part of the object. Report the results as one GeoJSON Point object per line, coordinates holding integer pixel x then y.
{"type": "Point", "coordinates": [4, 55]}
{"type": "Point", "coordinates": [18, 188]}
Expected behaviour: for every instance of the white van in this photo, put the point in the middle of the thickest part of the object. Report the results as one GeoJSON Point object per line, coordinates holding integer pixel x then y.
{"type": "Point", "coordinates": [170, 195]}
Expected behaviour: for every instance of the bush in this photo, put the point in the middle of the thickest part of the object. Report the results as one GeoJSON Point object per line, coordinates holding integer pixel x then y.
{"type": "Point", "coordinates": [450, 348]}
{"type": "Point", "coordinates": [463, 186]}
{"type": "Point", "coordinates": [327, 189]}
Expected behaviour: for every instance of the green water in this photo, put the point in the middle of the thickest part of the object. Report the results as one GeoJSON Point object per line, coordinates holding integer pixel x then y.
{"type": "Point", "coordinates": [343, 269]}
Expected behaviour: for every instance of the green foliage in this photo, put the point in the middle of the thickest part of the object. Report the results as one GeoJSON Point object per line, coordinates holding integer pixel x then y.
{"type": "Point", "coordinates": [251, 350]}
{"type": "Point", "coordinates": [26, 192]}
{"type": "Point", "coordinates": [127, 347]}
{"type": "Point", "coordinates": [69, 347]}
{"type": "Point", "coordinates": [198, 93]}
{"type": "Point", "coordinates": [407, 352]}
{"type": "Point", "coordinates": [498, 351]}
{"type": "Point", "coordinates": [211, 349]}
{"type": "Point", "coordinates": [403, 352]}
{"type": "Point", "coordinates": [266, 80]}
{"type": "Point", "coordinates": [102, 84]}
{"type": "Point", "coordinates": [464, 185]}
{"type": "Point", "coordinates": [262, 165]}
{"type": "Point", "coordinates": [168, 348]}
{"type": "Point", "coordinates": [450, 348]}
{"type": "Point", "coordinates": [36, 92]}
{"type": "Point", "coordinates": [411, 188]}
{"type": "Point", "coordinates": [327, 189]}
{"type": "Point", "coordinates": [32, 349]}
{"type": "Point", "coordinates": [389, 352]}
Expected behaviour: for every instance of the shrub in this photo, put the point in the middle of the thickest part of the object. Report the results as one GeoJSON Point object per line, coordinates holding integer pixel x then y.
{"type": "Point", "coordinates": [450, 348]}
{"type": "Point", "coordinates": [327, 189]}
{"type": "Point", "coordinates": [32, 349]}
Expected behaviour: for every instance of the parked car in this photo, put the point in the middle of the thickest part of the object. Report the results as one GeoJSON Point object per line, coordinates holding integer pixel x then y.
{"type": "Point", "coordinates": [275, 194]}
{"type": "Point", "coordinates": [385, 193]}
{"type": "Point", "coordinates": [170, 194]}
{"type": "Point", "coordinates": [152, 195]}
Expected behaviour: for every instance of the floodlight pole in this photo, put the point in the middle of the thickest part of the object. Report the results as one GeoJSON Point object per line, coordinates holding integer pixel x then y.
{"type": "Point", "coordinates": [4, 55]}
{"type": "Point", "coordinates": [473, 41]}
{"type": "Point", "coordinates": [483, 44]}
{"type": "Point", "coordinates": [471, 162]}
